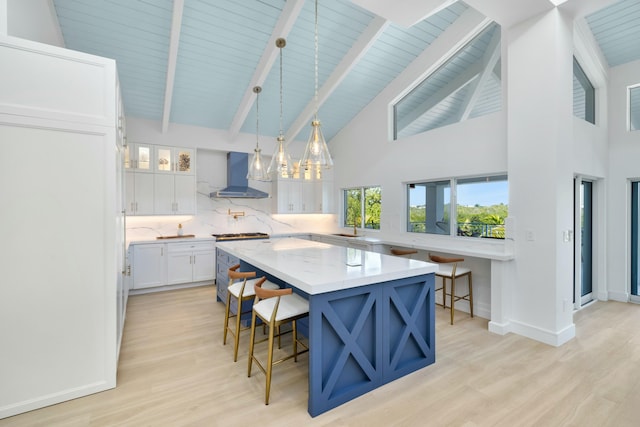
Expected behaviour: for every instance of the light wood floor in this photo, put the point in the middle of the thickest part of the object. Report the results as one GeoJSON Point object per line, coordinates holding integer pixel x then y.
{"type": "Point", "coordinates": [174, 371]}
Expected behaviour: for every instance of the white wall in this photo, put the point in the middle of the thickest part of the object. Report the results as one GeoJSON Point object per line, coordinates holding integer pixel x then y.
{"type": "Point", "coordinates": [34, 20]}
{"type": "Point", "coordinates": [59, 263]}
{"type": "Point", "coordinates": [211, 171]}
{"type": "Point", "coordinates": [624, 166]}
{"type": "Point", "coordinates": [544, 137]}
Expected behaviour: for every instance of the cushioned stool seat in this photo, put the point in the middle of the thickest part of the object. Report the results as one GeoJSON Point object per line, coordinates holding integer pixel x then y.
{"type": "Point", "coordinates": [274, 308]}
{"type": "Point", "coordinates": [448, 270]}
{"type": "Point", "coordinates": [242, 290]}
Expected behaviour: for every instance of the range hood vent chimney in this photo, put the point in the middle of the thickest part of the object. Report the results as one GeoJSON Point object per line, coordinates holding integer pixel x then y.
{"type": "Point", "coordinates": [237, 182]}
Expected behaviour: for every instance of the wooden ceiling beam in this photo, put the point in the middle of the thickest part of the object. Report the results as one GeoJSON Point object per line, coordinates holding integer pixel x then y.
{"type": "Point", "coordinates": [350, 60]}
{"type": "Point", "coordinates": [285, 23]}
{"type": "Point", "coordinates": [174, 42]}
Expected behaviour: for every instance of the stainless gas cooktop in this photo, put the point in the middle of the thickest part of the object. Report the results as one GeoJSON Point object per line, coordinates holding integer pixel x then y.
{"type": "Point", "coordinates": [240, 236]}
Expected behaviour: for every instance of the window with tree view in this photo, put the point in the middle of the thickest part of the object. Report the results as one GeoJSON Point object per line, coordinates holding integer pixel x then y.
{"type": "Point", "coordinates": [362, 207]}
{"type": "Point", "coordinates": [481, 206]}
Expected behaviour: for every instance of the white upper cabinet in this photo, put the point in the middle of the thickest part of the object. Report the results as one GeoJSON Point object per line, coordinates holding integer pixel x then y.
{"type": "Point", "coordinates": [174, 194]}
{"type": "Point", "coordinates": [160, 180]}
{"type": "Point", "coordinates": [174, 160]}
{"type": "Point", "coordinates": [138, 157]}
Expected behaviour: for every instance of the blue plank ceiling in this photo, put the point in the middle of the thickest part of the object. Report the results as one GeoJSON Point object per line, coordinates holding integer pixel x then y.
{"type": "Point", "coordinates": [222, 41]}
{"type": "Point", "coordinates": [616, 28]}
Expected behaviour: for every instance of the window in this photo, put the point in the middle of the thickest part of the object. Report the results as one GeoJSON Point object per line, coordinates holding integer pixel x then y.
{"type": "Point", "coordinates": [634, 108]}
{"type": "Point", "coordinates": [584, 95]}
{"type": "Point", "coordinates": [468, 85]}
{"type": "Point", "coordinates": [362, 207]}
{"type": "Point", "coordinates": [429, 206]}
{"type": "Point", "coordinates": [481, 206]}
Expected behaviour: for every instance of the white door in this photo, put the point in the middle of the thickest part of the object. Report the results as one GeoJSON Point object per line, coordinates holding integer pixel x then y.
{"type": "Point", "coordinates": [163, 194]}
{"type": "Point", "coordinates": [185, 194]}
{"type": "Point", "coordinates": [204, 266]}
{"type": "Point", "coordinates": [143, 183]}
{"type": "Point", "coordinates": [149, 266]}
{"type": "Point", "coordinates": [179, 268]}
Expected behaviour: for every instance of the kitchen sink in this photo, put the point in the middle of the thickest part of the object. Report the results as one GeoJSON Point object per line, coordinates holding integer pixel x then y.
{"type": "Point", "coordinates": [346, 235]}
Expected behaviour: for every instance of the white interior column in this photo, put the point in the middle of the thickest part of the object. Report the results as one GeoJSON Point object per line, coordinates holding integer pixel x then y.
{"type": "Point", "coordinates": [539, 73]}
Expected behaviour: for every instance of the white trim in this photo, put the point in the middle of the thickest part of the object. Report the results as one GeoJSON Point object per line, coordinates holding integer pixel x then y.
{"type": "Point", "coordinates": [288, 17]}
{"type": "Point", "coordinates": [554, 338]}
{"type": "Point", "coordinates": [174, 42]}
{"type": "Point", "coordinates": [354, 55]}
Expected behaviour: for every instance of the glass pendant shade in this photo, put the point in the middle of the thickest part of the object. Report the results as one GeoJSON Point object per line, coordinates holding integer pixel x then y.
{"type": "Point", "coordinates": [316, 154]}
{"type": "Point", "coordinates": [257, 170]}
{"type": "Point", "coordinates": [280, 165]}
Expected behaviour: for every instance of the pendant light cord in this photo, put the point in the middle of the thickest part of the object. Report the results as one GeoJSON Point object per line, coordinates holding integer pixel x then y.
{"type": "Point", "coordinates": [281, 90]}
{"type": "Point", "coordinates": [257, 90]}
{"type": "Point", "coordinates": [316, 60]}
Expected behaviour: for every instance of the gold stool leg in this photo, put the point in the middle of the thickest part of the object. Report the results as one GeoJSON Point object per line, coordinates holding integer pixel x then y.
{"type": "Point", "coordinates": [295, 340]}
{"type": "Point", "coordinates": [237, 334]}
{"type": "Point", "coordinates": [226, 319]}
{"type": "Point", "coordinates": [453, 292]}
{"type": "Point", "coordinates": [269, 364]}
{"type": "Point", "coordinates": [444, 293]}
{"type": "Point", "coordinates": [470, 295]}
{"type": "Point", "coordinates": [252, 341]}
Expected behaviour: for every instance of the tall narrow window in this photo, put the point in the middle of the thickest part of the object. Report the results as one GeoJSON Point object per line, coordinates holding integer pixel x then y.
{"type": "Point", "coordinates": [635, 235]}
{"type": "Point", "coordinates": [634, 108]}
{"type": "Point", "coordinates": [584, 95]}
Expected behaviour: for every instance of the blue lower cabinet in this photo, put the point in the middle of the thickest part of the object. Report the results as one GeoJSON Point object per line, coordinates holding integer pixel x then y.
{"type": "Point", "coordinates": [409, 327]}
{"type": "Point", "coordinates": [345, 360]}
{"type": "Point", "coordinates": [362, 338]}
{"type": "Point", "coordinates": [365, 337]}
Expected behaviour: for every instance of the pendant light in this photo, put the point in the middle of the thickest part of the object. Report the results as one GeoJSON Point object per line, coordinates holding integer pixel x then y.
{"type": "Point", "coordinates": [257, 170]}
{"type": "Point", "coordinates": [316, 154]}
{"type": "Point", "coordinates": [280, 165]}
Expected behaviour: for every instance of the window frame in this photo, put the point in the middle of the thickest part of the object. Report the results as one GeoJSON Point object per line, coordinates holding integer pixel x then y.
{"type": "Point", "coordinates": [363, 207]}
{"type": "Point", "coordinates": [589, 91]}
{"type": "Point", "coordinates": [635, 87]}
{"type": "Point", "coordinates": [453, 203]}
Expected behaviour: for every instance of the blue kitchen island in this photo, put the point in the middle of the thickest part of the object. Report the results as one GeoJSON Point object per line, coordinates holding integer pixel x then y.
{"type": "Point", "coordinates": [371, 316]}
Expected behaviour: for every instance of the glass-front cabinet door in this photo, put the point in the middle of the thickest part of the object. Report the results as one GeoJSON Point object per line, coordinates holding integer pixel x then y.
{"type": "Point", "coordinates": [174, 159]}
{"type": "Point", "coordinates": [164, 159]}
{"type": "Point", "coordinates": [184, 160]}
{"type": "Point", "coordinates": [138, 157]}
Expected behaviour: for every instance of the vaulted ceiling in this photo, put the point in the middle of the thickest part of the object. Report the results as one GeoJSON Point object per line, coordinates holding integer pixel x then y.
{"type": "Point", "coordinates": [196, 61]}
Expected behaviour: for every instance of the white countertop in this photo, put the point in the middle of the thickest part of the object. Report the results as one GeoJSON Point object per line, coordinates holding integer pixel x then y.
{"type": "Point", "coordinates": [316, 268]}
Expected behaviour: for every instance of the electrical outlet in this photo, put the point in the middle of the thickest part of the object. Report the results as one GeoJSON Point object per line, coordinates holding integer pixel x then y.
{"type": "Point", "coordinates": [529, 235]}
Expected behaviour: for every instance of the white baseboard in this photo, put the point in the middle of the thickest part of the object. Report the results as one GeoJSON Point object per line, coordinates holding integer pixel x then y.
{"type": "Point", "coordinates": [52, 399]}
{"type": "Point", "coordinates": [169, 287]}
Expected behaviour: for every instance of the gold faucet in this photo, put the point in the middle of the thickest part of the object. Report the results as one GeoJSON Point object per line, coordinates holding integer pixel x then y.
{"type": "Point", "coordinates": [236, 214]}
{"type": "Point", "coordinates": [355, 231]}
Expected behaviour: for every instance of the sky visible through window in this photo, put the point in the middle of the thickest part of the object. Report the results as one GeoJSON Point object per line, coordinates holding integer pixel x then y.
{"type": "Point", "coordinates": [482, 194]}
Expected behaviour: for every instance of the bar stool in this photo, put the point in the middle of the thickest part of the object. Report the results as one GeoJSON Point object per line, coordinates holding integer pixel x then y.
{"type": "Point", "coordinates": [403, 252]}
{"type": "Point", "coordinates": [448, 269]}
{"type": "Point", "coordinates": [275, 308]}
{"type": "Point", "coordinates": [242, 291]}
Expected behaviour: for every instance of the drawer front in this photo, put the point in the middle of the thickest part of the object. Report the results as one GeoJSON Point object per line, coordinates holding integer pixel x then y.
{"type": "Point", "coordinates": [190, 246]}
